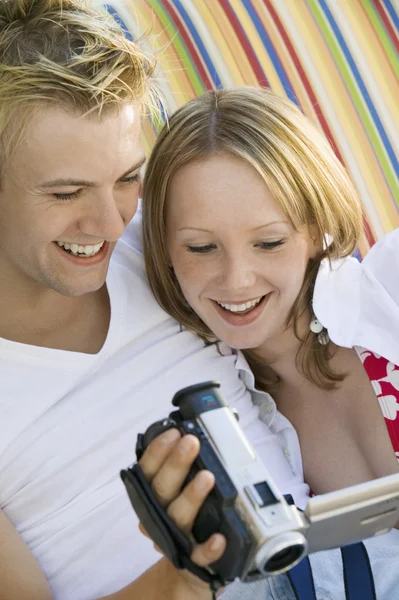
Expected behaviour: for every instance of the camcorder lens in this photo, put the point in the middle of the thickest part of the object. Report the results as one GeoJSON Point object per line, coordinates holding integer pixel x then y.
{"type": "Point", "coordinates": [283, 560]}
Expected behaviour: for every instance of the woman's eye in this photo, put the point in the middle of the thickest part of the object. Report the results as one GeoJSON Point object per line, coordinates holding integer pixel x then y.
{"type": "Point", "coordinates": [270, 245]}
{"type": "Point", "coordinates": [201, 249]}
{"type": "Point", "coordinates": [67, 196]}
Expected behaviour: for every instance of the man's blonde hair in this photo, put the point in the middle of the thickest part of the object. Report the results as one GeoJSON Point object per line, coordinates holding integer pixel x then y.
{"type": "Point", "coordinates": [298, 166]}
{"type": "Point", "coordinates": [60, 52]}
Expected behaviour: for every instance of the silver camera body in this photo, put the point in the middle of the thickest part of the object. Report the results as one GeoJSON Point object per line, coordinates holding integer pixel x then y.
{"type": "Point", "coordinates": [278, 529]}
{"type": "Point", "coordinates": [266, 534]}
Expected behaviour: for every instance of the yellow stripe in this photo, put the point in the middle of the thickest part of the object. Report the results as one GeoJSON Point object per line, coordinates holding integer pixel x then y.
{"type": "Point", "coordinates": [347, 116]}
{"type": "Point", "coordinates": [235, 53]}
{"type": "Point", "coordinates": [219, 39]}
{"type": "Point", "coordinates": [372, 50]}
{"type": "Point", "coordinates": [258, 47]}
{"type": "Point", "coordinates": [177, 80]}
{"type": "Point", "coordinates": [286, 61]}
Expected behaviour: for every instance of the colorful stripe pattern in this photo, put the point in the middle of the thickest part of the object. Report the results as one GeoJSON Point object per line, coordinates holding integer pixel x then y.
{"type": "Point", "coordinates": [337, 59]}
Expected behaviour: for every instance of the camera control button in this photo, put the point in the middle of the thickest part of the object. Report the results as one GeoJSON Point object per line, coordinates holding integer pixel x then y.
{"type": "Point", "coordinates": [193, 428]}
{"type": "Point", "coordinates": [253, 496]}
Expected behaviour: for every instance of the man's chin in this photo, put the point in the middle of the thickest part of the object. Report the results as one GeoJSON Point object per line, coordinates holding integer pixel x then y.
{"type": "Point", "coordinates": [75, 291]}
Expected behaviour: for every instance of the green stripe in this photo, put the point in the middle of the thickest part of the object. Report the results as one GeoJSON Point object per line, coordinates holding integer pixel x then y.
{"type": "Point", "coordinates": [356, 96]}
{"type": "Point", "coordinates": [180, 46]}
{"type": "Point", "coordinates": [382, 35]}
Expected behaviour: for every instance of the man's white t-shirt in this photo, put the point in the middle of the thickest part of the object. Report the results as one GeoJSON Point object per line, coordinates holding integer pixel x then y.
{"type": "Point", "coordinates": [69, 422]}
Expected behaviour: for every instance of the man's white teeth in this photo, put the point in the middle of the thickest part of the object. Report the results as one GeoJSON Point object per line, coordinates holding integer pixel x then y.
{"type": "Point", "coordinates": [241, 307]}
{"type": "Point", "coordinates": [77, 250]}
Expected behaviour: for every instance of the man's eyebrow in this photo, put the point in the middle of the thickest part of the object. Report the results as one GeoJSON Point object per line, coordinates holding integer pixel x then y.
{"type": "Point", "coordinates": [84, 183]}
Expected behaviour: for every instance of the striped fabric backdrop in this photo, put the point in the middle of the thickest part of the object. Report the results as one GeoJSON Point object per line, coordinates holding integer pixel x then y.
{"type": "Point", "coordinates": [337, 59]}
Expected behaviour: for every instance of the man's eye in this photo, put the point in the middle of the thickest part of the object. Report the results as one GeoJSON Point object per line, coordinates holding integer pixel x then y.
{"type": "Point", "coordinates": [201, 249]}
{"type": "Point", "coordinates": [131, 179]}
{"type": "Point", "coordinates": [270, 245]}
{"type": "Point", "coordinates": [67, 196]}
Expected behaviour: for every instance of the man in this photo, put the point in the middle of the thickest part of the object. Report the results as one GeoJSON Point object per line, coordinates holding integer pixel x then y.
{"type": "Point", "coordinates": [88, 359]}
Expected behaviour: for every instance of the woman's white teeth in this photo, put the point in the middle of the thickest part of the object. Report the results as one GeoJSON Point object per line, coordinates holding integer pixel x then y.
{"type": "Point", "coordinates": [78, 250]}
{"type": "Point", "coordinates": [241, 307]}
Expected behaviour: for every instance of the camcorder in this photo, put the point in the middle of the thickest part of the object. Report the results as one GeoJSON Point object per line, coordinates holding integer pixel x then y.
{"type": "Point", "coordinates": [266, 534]}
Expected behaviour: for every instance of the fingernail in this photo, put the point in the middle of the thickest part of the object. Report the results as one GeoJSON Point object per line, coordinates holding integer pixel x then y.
{"type": "Point", "coordinates": [216, 543]}
{"type": "Point", "coordinates": [170, 436]}
{"type": "Point", "coordinates": [186, 444]}
{"type": "Point", "coordinates": [203, 482]}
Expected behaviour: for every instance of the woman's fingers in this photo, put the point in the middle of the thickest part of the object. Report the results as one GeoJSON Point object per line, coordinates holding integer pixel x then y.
{"type": "Point", "coordinates": [144, 532]}
{"type": "Point", "coordinates": [210, 551]}
{"type": "Point", "coordinates": [168, 481]}
{"type": "Point", "coordinates": [203, 554]}
{"type": "Point", "coordinates": [166, 464]}
{"type": "Point", "coordinates": [157, 452]}
{"type": "Point", "coordinates": [184, 509]}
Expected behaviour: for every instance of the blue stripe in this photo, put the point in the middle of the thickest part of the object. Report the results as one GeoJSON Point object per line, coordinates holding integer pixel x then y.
{"type": "Point", "coordinates": [119, 20]}
{"type": "Point", "coordinates": [163, 113]}
{"type": "Point", "coordinates": [301, 579]}
{"type": "Point", "coordinates": [362, 87]}
{"type": "Point", "coordinates": [358, 576]}
{"type": "Point", "coordinates": [271, 51]}
{"type": "Point", "coordinates": [392, 12]}
{"type": "Point", "coordinates": [200, 45]}
{"type": "Point", "coordinates": [112, 11]}
{"type": "Point", "coordinates": [356, 254]}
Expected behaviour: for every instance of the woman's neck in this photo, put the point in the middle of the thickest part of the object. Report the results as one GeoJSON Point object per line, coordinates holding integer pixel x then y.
{"type": "Point", "coordinates": [280, 352]}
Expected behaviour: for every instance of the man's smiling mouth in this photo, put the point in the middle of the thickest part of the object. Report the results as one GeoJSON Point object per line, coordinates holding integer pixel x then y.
{"type": "Point", "coordinates": [79, 250]}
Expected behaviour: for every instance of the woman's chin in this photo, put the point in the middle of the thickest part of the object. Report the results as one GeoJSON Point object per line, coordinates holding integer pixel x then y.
{"type": "Point", "coordinates": [241, 342]}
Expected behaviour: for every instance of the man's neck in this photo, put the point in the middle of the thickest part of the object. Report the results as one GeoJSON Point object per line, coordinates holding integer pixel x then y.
{"type": "Point", "coordinates": [51, 320]}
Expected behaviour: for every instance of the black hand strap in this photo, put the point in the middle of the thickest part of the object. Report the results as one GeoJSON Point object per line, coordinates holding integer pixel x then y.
{"type": "Point", "coordinates": [162, 530]}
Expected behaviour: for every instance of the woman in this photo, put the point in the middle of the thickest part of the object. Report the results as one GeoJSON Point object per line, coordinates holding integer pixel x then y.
{"type": "Point", "coordinates": [249, 224]}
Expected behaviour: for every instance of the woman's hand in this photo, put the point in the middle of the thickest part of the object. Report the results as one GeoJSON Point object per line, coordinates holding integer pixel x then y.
{"type": "Point", "coordinates": [166, 464]}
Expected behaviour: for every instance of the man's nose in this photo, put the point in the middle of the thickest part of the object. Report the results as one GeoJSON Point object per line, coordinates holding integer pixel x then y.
{"type": "Point", "coordinates": [104, 218]}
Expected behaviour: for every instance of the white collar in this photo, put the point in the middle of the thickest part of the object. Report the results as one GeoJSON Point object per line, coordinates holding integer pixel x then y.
{"type": "Point", "coordinates": [266, 404]}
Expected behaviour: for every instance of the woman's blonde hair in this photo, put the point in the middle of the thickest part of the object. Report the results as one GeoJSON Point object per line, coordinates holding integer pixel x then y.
{"type": "Point", "coordinates": [298, 166]}
{"type": "Point", "coordinates": [60, 52]}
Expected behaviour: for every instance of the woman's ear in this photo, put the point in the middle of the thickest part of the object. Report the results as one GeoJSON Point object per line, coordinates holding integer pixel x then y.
{"type": "Point", "coordinates": [316, 241]}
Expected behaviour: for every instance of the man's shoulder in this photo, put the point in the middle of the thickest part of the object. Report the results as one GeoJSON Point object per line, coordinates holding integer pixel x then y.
{"type": "Point", "coordinates": [132, 236]}
{"type": "Point", "coordinates": [128, 251]}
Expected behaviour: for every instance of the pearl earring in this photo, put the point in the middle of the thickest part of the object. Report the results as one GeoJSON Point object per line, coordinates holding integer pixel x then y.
{"type": "Point", "coordinates": [319, 329]}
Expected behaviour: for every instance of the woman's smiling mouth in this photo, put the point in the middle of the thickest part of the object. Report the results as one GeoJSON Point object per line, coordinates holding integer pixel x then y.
{"type": "Point", "coordinates": [242, 306]}
{"type": "Point", "coordinates": [241, 313]}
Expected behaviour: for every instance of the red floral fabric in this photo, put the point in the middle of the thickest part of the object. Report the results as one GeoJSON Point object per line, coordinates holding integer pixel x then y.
{"type": "Point", "coordinates": [384, 377]}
